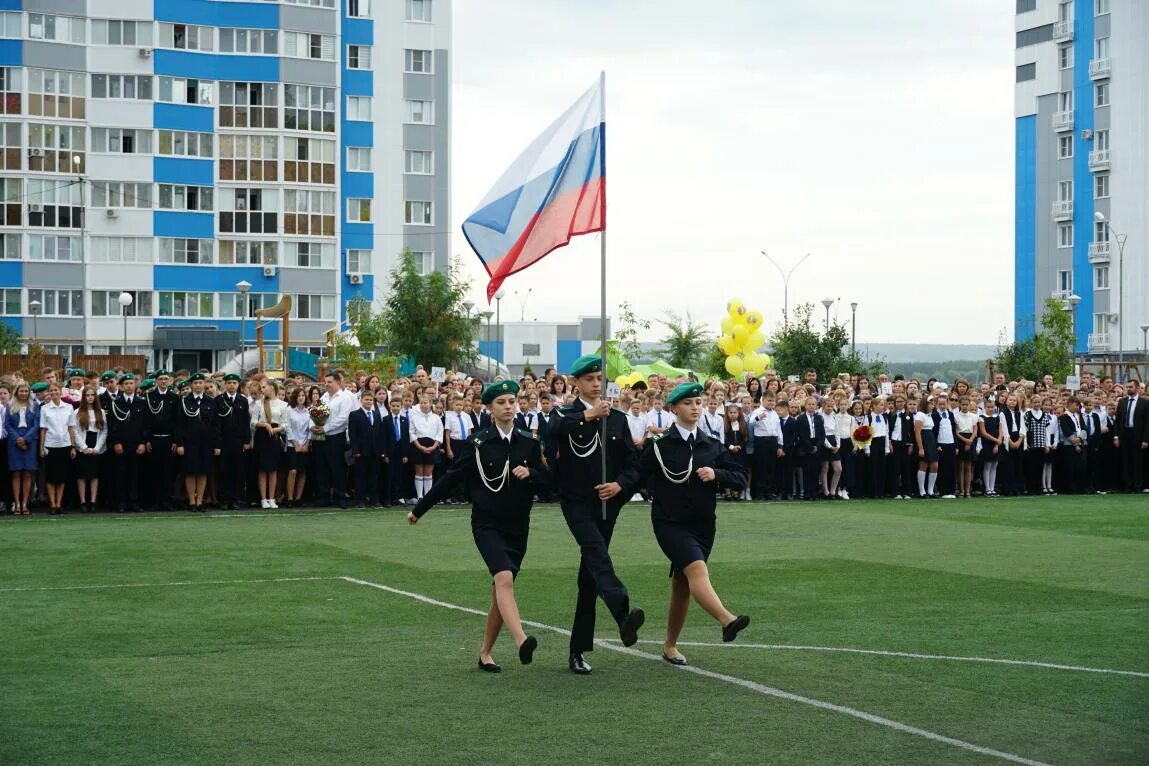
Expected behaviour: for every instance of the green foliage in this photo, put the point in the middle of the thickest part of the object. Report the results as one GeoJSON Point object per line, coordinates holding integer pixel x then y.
{"type": "Point", "coordinates": [9, 339]}
{"type": "Point", "coordinates": [714, 363]}
{"type": "Point", "coordinates": [1050, 350]}
{"type": "Point", "coordinates": [686, 342]}
{"type": "Point", "coordinates": [801, 345]}
{"type": "Point", "coordinates": [424, 317]}
{"type": "Point", "coordinates": [626, 334]}
{"type": "Point", "coordinates": [970, 369]}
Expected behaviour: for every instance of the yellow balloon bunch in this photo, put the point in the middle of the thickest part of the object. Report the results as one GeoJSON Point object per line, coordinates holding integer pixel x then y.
{"type": "Point", "coordinates": [628, 381]}
{"type": "Point", "coordinates": [741, 338]}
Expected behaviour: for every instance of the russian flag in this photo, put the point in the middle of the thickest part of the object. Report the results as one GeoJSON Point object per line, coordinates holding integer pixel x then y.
{"type": "Point", "coordinates": [555, 190]}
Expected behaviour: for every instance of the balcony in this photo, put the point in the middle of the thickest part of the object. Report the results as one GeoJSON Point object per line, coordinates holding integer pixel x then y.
{"type": "Point", "coordinates": [1098, 341]}
{"type": "Point", "coordinates": [1063, 31]}
{"type": "Point", "coordinates": [1099, 159]}
{"type": "Point", "coordinates": [1099, 68]}
{"type": "Point", "coordinates": [1063, 210]}
{"type": "Point", "coordinates": [1099, 252]}
{"type": "Point", "coordinates": [1063, 121]}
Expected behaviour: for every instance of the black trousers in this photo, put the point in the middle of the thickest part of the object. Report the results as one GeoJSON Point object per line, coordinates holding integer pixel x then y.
{"type": "Point", "coordinates": [392, 480]}
{"type": "Point", "coordinates": [596, 576]}
{"type": "Point", "coordinates": [1035, 460]}
{"type": "Point", "coordinates": [162, 472]}
{"type": "Point", "coordinates": [903, 476]}
{"type": "Point", "coordinates": [231, 473]}
{"type": "Point", "coordinates": [947, 469]}
{"type": "Point", "coordinates": [367, 478]}
{"type": "Point", "coordinates": [877, 465]}
{"type": "Point", "coordinates": [459, 449]}
{"type": "Point", "coordinates": [1070, 474]}
{"type": "Point", "coordinates": [332, 470]}
{"type": "Point", "coordinates": [128, 479]}
{"type": "Point", "coordinates": [1132, 463]}
{"type": "Point", "coordinates": [1010, 479]}
{"type": "Point", "coordinates": [811, 468]}
{"type": "Point", "coordinates": [765, 467]}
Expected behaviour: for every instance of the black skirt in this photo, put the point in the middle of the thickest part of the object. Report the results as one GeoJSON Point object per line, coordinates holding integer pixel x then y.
{"type": "Point", "coordinates": [418, 457]}
{"type": "Point", "coordinates": [296, 461]}
{"type": "Point", "coordinates": [268, 451]}
{"type": "Point", "coordinates": [501, 550]}
{"type": "Point", "coordinates": [684, 543]}
{"type": "Point", "coordinates": [930, 446]}
{"type": "Point", "coordinates": [199, 458]}
{"type": "Point", "coordinates": [964, 455]}
{"type": "Point", "coordinates": [827, 455]}
{"type": "Point", "coordinates": [56, 465]}
{"type": "Point", "coordinates": [87, 467]}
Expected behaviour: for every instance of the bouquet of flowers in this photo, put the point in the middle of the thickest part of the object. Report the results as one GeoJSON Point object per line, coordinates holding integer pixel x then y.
{"type": "Point", "coordinates": [862, 436]}
{"type": "Point", "coordinates": [319, 413]}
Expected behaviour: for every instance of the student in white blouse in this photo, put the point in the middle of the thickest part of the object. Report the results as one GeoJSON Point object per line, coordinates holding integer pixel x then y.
{"type": "Point", "coordinates": [91, 442]}
{"type": "Point", "coordinates": [269, 422]}
{"type": "Point", "coordinates": [57, 437]}
{"type": "Point", "coordinates": [426, 438]}
{"type": "Point", "coordinates": [298, 446]}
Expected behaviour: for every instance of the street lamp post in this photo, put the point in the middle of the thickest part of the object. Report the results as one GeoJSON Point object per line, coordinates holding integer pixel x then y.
{"type": "Point", "coordinates": [502, 291]}
{"type": "Point", "coordinates": [1071, 302]}
{"type": "Point", "coordinates": [827, 302]}
{"type": "Point", "coordinates": [487, 315]}
{"type": "Point", "coordinates": [1100, 218]}
{"type": "Point", "coordinates": [523, 303]}
{"type": "Point", "coordinates": [244, 286]}
{"type": "Point", "coordinates": [34, 310]}
{"type": "Point", "coordinates": [1145, 339]}
{"type": "Point", "coordinates": [854, 328]}
{"type": "Point", "coordinates": [785, 284]}
{"type": "Point", "coordinates": [125, 301]}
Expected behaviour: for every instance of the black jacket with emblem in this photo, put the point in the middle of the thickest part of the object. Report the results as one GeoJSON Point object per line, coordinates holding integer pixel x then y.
{"type": "Point", "coordinates": [195, 423]}
{"type": "Point", "coordinates": [162, 412]}
{"type": "Point", "coordinates": [128, 423]}
{"type": "Point", "coordinates": [233, 420]}
{"type": "Point", "coordinates": [694, 499]}
{"type": "Point", "coordinates": [508, 508]}
{"type": "Point", "coordinates": [578, 476]}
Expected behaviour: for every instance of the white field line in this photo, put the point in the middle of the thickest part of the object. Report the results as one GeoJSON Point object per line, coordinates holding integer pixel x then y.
{"type": "Point", "coordinates": [166, 584]}
{"type": "Point", "coordinates": [750, 685]}
{"type": "Point", "coordinates": [909, 655]}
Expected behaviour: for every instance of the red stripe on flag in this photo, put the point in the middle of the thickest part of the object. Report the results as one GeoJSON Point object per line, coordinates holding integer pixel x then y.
{"type": "Point", "coordinates": [582, 211]}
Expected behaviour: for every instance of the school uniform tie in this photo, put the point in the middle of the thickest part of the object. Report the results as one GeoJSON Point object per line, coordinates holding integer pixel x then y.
{"type": "Point", "coordinates": [370, 420]}
{"type": "Point", "coordinates": [810, 420]}
{"type": "Point", "coordinates": [395, 422]}
{"type": "Point", "coordinates": [462, 429]}
{"type": "Point", "coordinates": [690, 442]}
{"type": "Point", "coordinates": [659, 416]}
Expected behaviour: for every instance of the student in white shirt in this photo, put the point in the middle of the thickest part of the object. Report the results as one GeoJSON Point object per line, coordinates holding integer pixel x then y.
{"type": "Point", "coordinates": [57, 437]}
{"type": "Point", "coordinates": [832, 454]}
{"type": "Point", "coordinates": [658, 419]}
{"type": "Point", "coordinates": [712, 421]}
{"type": "Point", "coordinates": [332, 473]}
{"type": "Point", "coordinates": [269, 422]}
{"type": "Point", "coordinates": [91, 442]}
{"type": "Point", "coordinates": [426, 439]}
{"type": "Point", "coordinates": [298, 446]}
{"type": "Point", "coordinates": [636, 421]}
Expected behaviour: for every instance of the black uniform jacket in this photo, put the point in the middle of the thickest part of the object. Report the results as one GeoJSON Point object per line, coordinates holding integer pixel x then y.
{"type": "Point", "coordinates": [233, 420]}
{"type": "Point", "coordinates": [195, 421]}
{"type": "Point", "coordinates": [578, 476]}
{"type": "Point", "coordinates": [163, 412]}
{"type": "Point", "coordinates": [694, 500]}
{"type": "Point", "coordinates": [128, 423]}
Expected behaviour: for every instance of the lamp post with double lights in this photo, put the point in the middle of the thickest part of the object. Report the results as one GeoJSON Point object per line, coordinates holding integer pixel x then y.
{"type": "Point", "coordinates": [827, 302]}
{"type": "Point", "coordinates": [1071, 302]}
{"type": "Point", "coordinates": [244, 287]}
{"type": "Point", "coordinates": [1145, 339]}
{"type": "Point", "coordinates": [1101, 219]}
{"type": "Point", "coordinates": [786, 283]}
{"type": "Point", "coordinates": [34, 310]}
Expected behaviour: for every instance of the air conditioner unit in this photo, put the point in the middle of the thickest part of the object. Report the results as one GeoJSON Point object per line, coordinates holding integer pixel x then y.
{"type": "Point", "coordinates": [35, 151]}
{"type": "Point", "coordinates": [356, 279]}
{"type": "Point", "coordinates": [35, 207]}
{"type": "Point", "coordinates": [145, 53]}
{"type": "Point", "coordinates": [269, 271]}
{"type": "Point", "coordinates": [1087, 135]}
{"type": "Point", "coordinates": [111, 213]}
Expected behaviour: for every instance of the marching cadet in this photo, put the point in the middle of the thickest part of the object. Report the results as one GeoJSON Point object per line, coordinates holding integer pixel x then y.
{"type": "Point", "coordinates": [127, 432]}
{"type": "Point", "coordinates": [196, 440]}
{"type": "Point", "coordinates": [681, 466]}
{"type": "Point", "coordinates": [162, 404]}
{"type": "Point", "coordinates": [503, 470]}
{"type": "Point", "coordinates": [233, 424]}
{"type": "Point", "coordinates": [591, 504]}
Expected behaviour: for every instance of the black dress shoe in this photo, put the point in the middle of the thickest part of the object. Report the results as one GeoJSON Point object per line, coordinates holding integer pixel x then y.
{"type": "Point", "coordinates": [736, 626]}
{"type": "Point", "coordinates": [628, 631]}
{"type": "Point", "coordinates": [527, 650]}
{"type": "Point", "coordinates": [579, 665]}
{"type": "Point", "coordinates": [490, 667]}
{"type": "Point", "coordinates": [680, 661]}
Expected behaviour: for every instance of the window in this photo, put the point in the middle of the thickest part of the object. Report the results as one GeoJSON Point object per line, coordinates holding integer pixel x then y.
{"type": "Point", "coordinates": [1065, 281]}
{"type": "Point", "coordinates": [359, 210]}
{"type": "Point", "coordinates": [308, 160]}
{"type": "Point", "coordinates": [418, 213]}
{"type": "Point", "coordinates": [1065, 56]}
{"type": "Point", "coordinates": [309, 212]}
{"type": "Point", "coordinates": [418, 62]}
{"type": "Point", "coordinates": [1065, 101]}
{"type": "Point", "coordinates": [1101, 140]}
{"type": "Point", "coordinates": [358, 56]}
{"type": "Point", "coordinates": [10, 24]}
{"type": "Point", "coordinates": [180, 304]}
{"type": "Point", "coordinates": [231, 305]}
{"type": "Point", "coordinates": [312, 3]}
{"type": "Point", "coordinates": [248, 105]}
{"type": "Point", "coordinates": [1026, 72]}
{"type": "Point", "coordinates": [1100, 323]}
{"type": "Point", "coordinates": [10, 247]}
{"type": "Point", "coordinates": [1101, 48]}
{"type": "Point", "coordinates": [1100, 277]}
{"type": "Point", "coordinates": [358, 261]}
{"type": "Point", "coordinates": [421, 112]}
{"type": "Point", "coordinates": [1101, 186]}
{"type": "Point", "coordinates": [359, 9]}
{"type": "Point", "coordinates": [1034, 36]}
{"type": "Point", "coordinates": [117, 32]}
{"type": "Point", "coordinates": [310, 255]}
{"type": "Point", "coordinates": [244, 252]}
{"type": "Point", "coordinates": [359, 108]}
{"type": "Point", "coordinates": [121, 141]}
{"type": "Point", "coordinates": [59, 147]}
{"type": "Point", "coordinates": [313, 307]}
{"type": "Point", "coordinates": [120, 250]}
{"type": "Point", "coordinates": [56, 94]}
{"type": "Point", "coordinates": [309, 107]}
{"type": "Point", "coordinates": [127, 86]}
{"type": "Point", "coordinates": [1100, 7]}
{"type": "Point", "coordinates": [57, 29]}
{"type": "Point", "coordinates": [420, 10]}
{"type": "Point", "coordinates": [307, 45]}
{"type": "Point", "coordinates": [1065, 191]}
{"type": "Point", "coordinates": [1065, 10]}
{"type": "Point", "coordinates": [10, 302]}
{"type": "Point", "coordinates": [181, 197]}
{"type": "Point", "coordinates": [11, 87]}
{"type": "Point", "coordinates": [1065, 235]}
{"type": "Point", "coordinates": [121, 194]}
{"type": "Point", "coordinates": [248, 210]}
{"type": "Point", "coordinates": [58, 303]}
{"type": "Point", "coordinates": [424, 261]}
{"type": "Point", "coordinates": [1101, 94]}
{"type": "Point", "coordinates": [1100, 231]}
{"type": "Point", "coordinates": [251, 41]}
{"type": "Point", "coordinates": [50, 247]}
{"type": "Point", "coordinates": [1065, 147]}
{"type": "Point", "coordinates": [51, 203]}
{"type": "Point", "coordinates": [182, 143]}
{"type": "Point", "coordinates": [186, 37]}
{"type": "Point", "coordinates": [181, 90]}
{"type": "Point", "coordinates": [11, 208]}
{"type": "Point", "coordinates": [248, 158]}
{"type": "Point", "coordinates": [184, 250]}
{"type": "Point", "coordinates": [106, 303]}
{"type": "Point", "coordinates": [419, 162]}
{"type": "Point", "coordinates": [359, 159]}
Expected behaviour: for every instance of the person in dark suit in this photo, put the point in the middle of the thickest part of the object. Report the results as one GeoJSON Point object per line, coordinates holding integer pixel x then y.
{"type": "Point", "coordinates": [196, 440]}
{"type": "Point", "coordinates": [163, 405]}
{"type": "Point", "coordinates": [1132, 437]}
{"type": "Point", "coordinates": [128, 435]}
{"type": "Point", "coordinates": [109, 388]}
{"type": "Point", "coordinates": [368, 441]}
{"type": "Point", "coordinates": [397, 438]}
{"type": "Point", "coordinates": [592, 502]}
{"type": "Point", "coordinates": [502, 469]}
{"type": "Point", "coordinates": [810, 435]}
{"type": "Point", "coordinates": [458, 426]}
{"type": "Point", "coordinates": [549, 418]}
{"type": "Point", "coordinates": [1071, 449]}
{"type": "Point", "coordinates": [233, 424]}
{"type": "Point", "coordinates": [680, 466]}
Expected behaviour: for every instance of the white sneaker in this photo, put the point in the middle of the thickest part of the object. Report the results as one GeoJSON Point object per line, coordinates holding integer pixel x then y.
{"type": "Point", "coordinates": [949, 497]}
{"type": "Point", "coordinates": [637, 498]}
{"type": "Point", "coordinates": [843, 494]}
{"type": "Point", "coordinates": [271, 504]}
{"type": "Point", "coordinates": [263, 504]}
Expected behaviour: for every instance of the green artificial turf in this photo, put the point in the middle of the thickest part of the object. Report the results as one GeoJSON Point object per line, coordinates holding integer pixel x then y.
{"type": "Point", "coordinates": [327, 671]}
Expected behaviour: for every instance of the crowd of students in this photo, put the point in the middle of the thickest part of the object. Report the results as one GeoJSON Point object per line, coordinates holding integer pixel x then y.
{"type": "Point", "coordinates": [78, 440]}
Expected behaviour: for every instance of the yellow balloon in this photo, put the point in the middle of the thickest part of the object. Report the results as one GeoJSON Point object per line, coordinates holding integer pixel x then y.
{"type": "Point", "coordinates": [734, 365]}
{"type": "Point", "coordinates": [622, 380]}
{"type": "Point", "coordinates": [756, 364]}
{"type": "Point", "coordinates": [727, 324]}
{"type": "Point", "coordinates": [737, 310]}
{"type": "Point", "coordinates": [753, 319]}
{"type": "Point", "coordinates": [756, 339]}
{"type": "Point", "coordinates": [769, 361]}
{"type": "Point", "coordinates": [725, 344]}
{"type": "Point", "coordinates": [739, 333]}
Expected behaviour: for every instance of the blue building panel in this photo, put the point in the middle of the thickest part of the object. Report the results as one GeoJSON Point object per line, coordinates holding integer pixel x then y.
{"type": "Point", "coordinates": [10, 5]}
{"type": "Point", "coordinates": [215, 66]}
{"type": "Point", "coordinates": [11, 274]}
{"type": "Point", "coordinates": [11, 52]}
{"type": "Point", "coordinates": [357, 133]}
{"type": "Point", "coordinates": [180, 170]}
{"type": "Point", "coordinates": [179, 223]}
{"type": "Point", "coordinates": [1082, 176]}
{"type": "Point", "coordinates": [357, 83]}
{"type": "Point", "coordinates": [358, 185]}
{"type": "Point", "coordinates": [184, 117]}
{"type": "Point", "coordinates": [365, 291]}
{"type": "Point", "coordinates": [260, 15]}
{"type": "Point", "coordinates": [16, 323]}
{"type": "Point", "coordinates": [1025, 228]}
{"type": "Point", "coordinates": [568, 352]}
{"type": "Point", "coordinates": [358, 31]}
{"type": "Point", "coordinates": [212, 280]}
{"type": "Point", "coordinates": [358, 236]}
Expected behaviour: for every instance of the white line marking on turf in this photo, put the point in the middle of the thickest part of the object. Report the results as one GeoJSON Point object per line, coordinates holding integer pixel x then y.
{"type": "Point", "coordinates": [751, 685]}
{"type": "Point", "coordinates": [910, 655]}
{"type": "Point", "coordinates": [166, 584]}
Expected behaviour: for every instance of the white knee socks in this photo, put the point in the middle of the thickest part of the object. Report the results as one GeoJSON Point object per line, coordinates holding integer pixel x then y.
{"type": "Point", "coordinates": [921, 483]}
{"type": "Point", "coordinates": [931, 480]}
{"type": "Point", "coordinates": [422, 484]}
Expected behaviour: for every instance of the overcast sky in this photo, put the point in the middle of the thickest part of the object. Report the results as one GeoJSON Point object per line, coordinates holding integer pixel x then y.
{"type": "Point", "coordinates": [876, 136]}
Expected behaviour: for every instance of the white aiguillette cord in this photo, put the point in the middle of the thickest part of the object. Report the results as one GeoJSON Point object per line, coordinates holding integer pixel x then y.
{"type": "Point", "coordinates": [674, 477]}
{"type": "Point", "coordinates": [501, 478]}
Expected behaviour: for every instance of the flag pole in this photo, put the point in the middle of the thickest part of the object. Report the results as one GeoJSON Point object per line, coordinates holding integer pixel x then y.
{"type": "Point", "coordinates": [602, 269]}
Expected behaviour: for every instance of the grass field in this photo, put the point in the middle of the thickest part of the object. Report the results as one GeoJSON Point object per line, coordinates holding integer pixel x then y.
{"type": "Point", "coordinates": [213, 655]}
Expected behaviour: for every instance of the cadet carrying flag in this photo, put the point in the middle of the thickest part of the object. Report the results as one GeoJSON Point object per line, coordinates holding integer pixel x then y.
{"type": "Point", "coordinates": [555, 190]}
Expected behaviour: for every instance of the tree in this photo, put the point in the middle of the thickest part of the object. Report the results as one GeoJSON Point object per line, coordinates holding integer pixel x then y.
{"type": "Point", "coordinates": [9, 339]}
{"type": "Point", "coordinates": [686, 341]}
{"type": "Point", "coordinates": [626, 336]}
{"type": "Point", "coordinates": [714, 363]}
{"type": "Point", "coordinates": [424, 317]}
{"type": "Point", "coordinates": [367, 352]}
{"type": "Point", "coordinates": [1050, 350]}
{"type": "Point", "coordinates": [799, 346]}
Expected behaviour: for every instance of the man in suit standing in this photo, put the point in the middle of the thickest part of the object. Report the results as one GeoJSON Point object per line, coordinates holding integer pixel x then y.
{"type": "Point", "coordinates": [810, 434]}
{"type": "Point", "coordinates": [1132, 430]}
{"type": "Point", "coordinates": [163, 404]}
{"type": "Point", "coordinates": [368, 441]}
{"type": "Point", "coordinates": [397, 437]}
{"type": "Point", "coordinates": [128, 435]}
{"type": "Point", "coordinates": [233, 421]}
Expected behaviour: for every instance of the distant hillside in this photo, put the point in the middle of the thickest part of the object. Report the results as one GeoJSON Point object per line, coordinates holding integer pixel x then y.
{"type": "Point", "coordinates": [926, 352]}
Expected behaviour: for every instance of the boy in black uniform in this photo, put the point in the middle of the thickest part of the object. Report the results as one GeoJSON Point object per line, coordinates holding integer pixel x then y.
{"type": "Point", "coordinates": [127, 433]}
{"type": "Point", "coordinates": [591, 504]}
{"type": "Point", "coordinates": [197, 440]}
{"type": "Point", "coordinates": [502, 470]}
{"type": "Point", "coordinates": [811, 434]}
{"type": "Point", "coordinates": [368, 443]}
{"type": "Point", "coordinates": [162, 403]}
{"type": "Point", "coordinates": [233, 424]}
{"type": "Point", "coordinates": [396, 447]}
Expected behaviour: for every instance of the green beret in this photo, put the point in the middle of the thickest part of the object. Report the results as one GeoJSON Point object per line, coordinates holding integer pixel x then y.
{"type": "Point", "coordinates": [127, 376]}
{"type": "Point", "coordinates": [183, 384]}
{"type": "Point", "coordinates": [37, 388]}
{"type": "Point", "coordinates": [495, 390]}
{"type": "Point", "coordinates": [585, 364]}
{"type": "Point", "coordinates": [197, 376]}
{"type": "Point", "coordinates": [684, 391]}
{"type": "Point", "coordinates": [147, 383]}
{"type": "Point", "coordinates": [77, 373]}
{"type": "Point", "coordinates": [158, 373]}
{"type": "Point", "coordinates": [231, 376]}
{"type": "Point", "coordinates": [109, 375]}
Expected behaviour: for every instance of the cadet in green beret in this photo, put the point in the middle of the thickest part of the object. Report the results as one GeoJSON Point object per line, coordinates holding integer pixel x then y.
{"type": "Point", "coordinates": [503, 471]}
{"type": "Point", "coordinates": [128, 435]}
{"type": "Point", "coordinates": [681, 467]}
{"type": "Point", "coordinates": [163, 406]}
{"type": "Point", "coordinates": [197, 440]}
